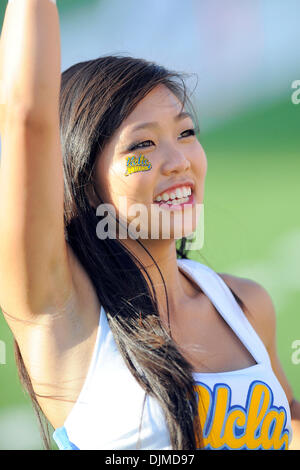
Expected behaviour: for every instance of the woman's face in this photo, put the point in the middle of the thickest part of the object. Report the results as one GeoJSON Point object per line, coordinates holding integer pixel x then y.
{"type": "Point", "coordinates": [156, 130]}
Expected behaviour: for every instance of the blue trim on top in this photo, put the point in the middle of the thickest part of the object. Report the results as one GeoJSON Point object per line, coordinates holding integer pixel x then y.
{"type": "Point", "coordinates": [61, 438]}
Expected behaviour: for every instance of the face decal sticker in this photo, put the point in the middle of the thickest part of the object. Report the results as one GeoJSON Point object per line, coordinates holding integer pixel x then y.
{"type": "Point", "coordinates": [135, 164]}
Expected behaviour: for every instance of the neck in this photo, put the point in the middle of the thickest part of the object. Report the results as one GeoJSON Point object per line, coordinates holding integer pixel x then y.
{"type": "Point", "coordinates": [178, 287]}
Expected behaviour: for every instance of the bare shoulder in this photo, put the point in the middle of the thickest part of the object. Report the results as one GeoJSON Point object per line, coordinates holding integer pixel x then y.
{"type": "Point", "coordinates": [260, 310]}
{"type": "Point", "coordinates": [261, 314]}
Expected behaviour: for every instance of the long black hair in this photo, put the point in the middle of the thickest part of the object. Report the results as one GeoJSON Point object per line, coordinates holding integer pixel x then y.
{"type": "Point", "coordinates": [96, 96]}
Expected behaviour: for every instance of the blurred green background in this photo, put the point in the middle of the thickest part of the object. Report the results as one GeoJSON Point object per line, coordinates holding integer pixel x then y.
{"type": "Point", "coordinates": [252, 223]}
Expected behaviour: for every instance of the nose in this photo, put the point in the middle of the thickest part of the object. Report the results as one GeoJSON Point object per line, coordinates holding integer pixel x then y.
{"type": "Point", "coordinates": [175, 162]}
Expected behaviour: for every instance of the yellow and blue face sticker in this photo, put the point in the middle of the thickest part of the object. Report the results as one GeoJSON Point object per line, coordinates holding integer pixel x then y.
{"type": "Point", "coordinates": [136, 164]}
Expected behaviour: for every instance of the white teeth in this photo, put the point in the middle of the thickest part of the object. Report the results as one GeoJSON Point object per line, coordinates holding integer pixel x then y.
{"type": "Point", "coordinates": [178, 193]}
{"type": "Point", "coordinates": [183, 200]}
{"type": "Point", "coordinates": [185, 192]}
{"type": "Point", "coordinates": [178, 201]}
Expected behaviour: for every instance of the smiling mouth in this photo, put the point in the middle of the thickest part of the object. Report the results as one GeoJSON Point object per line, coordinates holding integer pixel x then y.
{"type": "Point", "coordinates": [175, 197]}
{"type": "Point", "coordinates": [176, 204]}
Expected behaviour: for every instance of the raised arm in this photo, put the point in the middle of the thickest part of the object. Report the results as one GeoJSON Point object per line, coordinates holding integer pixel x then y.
{"type": "Point", "coordinates": [34, 269]}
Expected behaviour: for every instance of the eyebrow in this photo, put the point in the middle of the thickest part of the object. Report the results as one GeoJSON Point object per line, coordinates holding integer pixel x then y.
{"type": "Point", "coordinates": [146, 125]}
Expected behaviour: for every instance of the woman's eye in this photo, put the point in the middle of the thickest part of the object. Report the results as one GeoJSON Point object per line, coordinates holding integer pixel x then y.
{"type": "Point", "coordinates": [138, 145]}
{"type": "Point", "coordinates": [189, 131]}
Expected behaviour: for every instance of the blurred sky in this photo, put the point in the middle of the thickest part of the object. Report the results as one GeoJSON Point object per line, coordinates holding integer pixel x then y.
{"type": "Point", "coordinates": [243, 52]}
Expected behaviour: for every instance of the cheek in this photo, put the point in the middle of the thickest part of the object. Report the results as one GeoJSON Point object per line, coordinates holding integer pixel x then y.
{"type": "Point", "coordinates": [136, 187]}
{"type": "Point", "coordinates": [198, 171]}
{"type": "Point", "coordinates": [201, 161]}
{"type": "Point", "coordinates": [204, 159]}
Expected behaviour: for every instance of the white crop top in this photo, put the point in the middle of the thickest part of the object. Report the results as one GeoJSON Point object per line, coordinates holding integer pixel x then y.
{"type": "Point", "coordinates": [242, 409]}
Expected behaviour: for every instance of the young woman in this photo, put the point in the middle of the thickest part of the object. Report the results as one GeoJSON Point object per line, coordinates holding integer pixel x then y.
{"type": "Point", "coordinates": [122, 342]}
